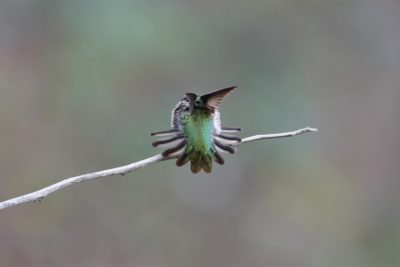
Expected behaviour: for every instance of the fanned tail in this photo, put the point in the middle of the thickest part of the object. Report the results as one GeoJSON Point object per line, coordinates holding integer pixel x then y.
{"type": "Point", "coordinates": [175, 142]}
{"type": "Point", "coordinates": [199, 161]}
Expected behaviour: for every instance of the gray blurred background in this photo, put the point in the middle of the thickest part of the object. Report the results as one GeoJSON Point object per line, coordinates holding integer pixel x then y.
{"type": "Point", "coordinates": [82, 83]}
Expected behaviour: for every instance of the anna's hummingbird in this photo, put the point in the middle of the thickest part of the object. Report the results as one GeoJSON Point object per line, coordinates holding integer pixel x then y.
{"type": "Point", "coordinates": [196, 134]}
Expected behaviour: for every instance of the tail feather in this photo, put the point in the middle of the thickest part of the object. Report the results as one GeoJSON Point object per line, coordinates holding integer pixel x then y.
{"type": "Point", "coordinates": [199, 161]}
{"type": "Point", "coordinates": [229, 137]}
{"type": "Point", "coordinates": [196, 162]}
{"type": "Point", "coordinates": [230, 129]}
{"type": "Point", "coordinates": [218, 158]}
{"type": "Point", "coordinates": [169, 142]}
{"type": "Point", "coordinates": [174, 151]}
{"type": "Point", "coordinates": [224, 147]}
{"type": "Point", "coordinates": [207, 163]}
{"type": "Point", "coordinates": [166, 132]}
{"type": "Point", "coordinates": [182, 159]}
{"type": "Point", "coordinates": [229, 141]}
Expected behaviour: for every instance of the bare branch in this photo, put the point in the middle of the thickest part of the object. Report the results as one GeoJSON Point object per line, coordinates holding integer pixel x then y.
{"type": "Point", "coordinates": [42, 193]}
{"type": "Point", "coordinates": [278, 135]}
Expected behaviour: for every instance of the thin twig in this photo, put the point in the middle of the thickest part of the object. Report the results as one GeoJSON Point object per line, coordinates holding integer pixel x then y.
{"type": "Point", "coordinates": [278, 135]}
{"type": "Point", "coordinates": [42, 193]}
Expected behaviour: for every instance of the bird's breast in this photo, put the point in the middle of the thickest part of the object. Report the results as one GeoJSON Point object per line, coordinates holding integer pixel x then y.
{"type": "Point", "coordinates": [198, 129]}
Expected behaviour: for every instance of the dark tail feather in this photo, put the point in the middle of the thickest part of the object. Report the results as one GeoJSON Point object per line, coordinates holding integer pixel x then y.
{"type": "Point", "coordinates": [195, 162]}
{"type": "Point", "coordinates": [182, 159]}
{"type": "Point", "coordinates": [230, 129]}
{"type": "Point", "coordinates": [230, 137]}
{"type": "Point", "coordinates": [165, 133]}
{"type": "Point", "coordinates": [171, 151]}
{"type": "Point", "coordinates": [167, 141]}
{"type": "Point", "coordinates": [218, 158]}
{"type": "Point", "coordinates": [200, 161]}
{"type": "Point", "coordinates": [207, 163]}
{"type": "Point", "coordinates": [223, 147]}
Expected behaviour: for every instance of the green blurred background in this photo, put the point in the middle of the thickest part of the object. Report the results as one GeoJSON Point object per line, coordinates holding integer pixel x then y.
{"type": "Point", "coordinates": [82, 83]}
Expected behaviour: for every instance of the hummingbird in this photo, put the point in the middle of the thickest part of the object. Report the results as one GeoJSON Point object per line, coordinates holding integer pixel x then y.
{"type": "Point", "coordinates": [196, 134]}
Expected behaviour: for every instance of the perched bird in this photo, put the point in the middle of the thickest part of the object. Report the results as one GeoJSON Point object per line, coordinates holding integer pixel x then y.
{"type": "Point", "coordinates": [196, 134]}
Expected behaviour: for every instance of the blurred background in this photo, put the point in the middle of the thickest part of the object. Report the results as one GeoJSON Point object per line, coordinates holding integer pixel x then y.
{"type": "Point", "coordinates": [82, 83]}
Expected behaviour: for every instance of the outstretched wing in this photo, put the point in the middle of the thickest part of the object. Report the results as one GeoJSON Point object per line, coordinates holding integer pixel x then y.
{"type": "Point", "coordinates": [214, 99]}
